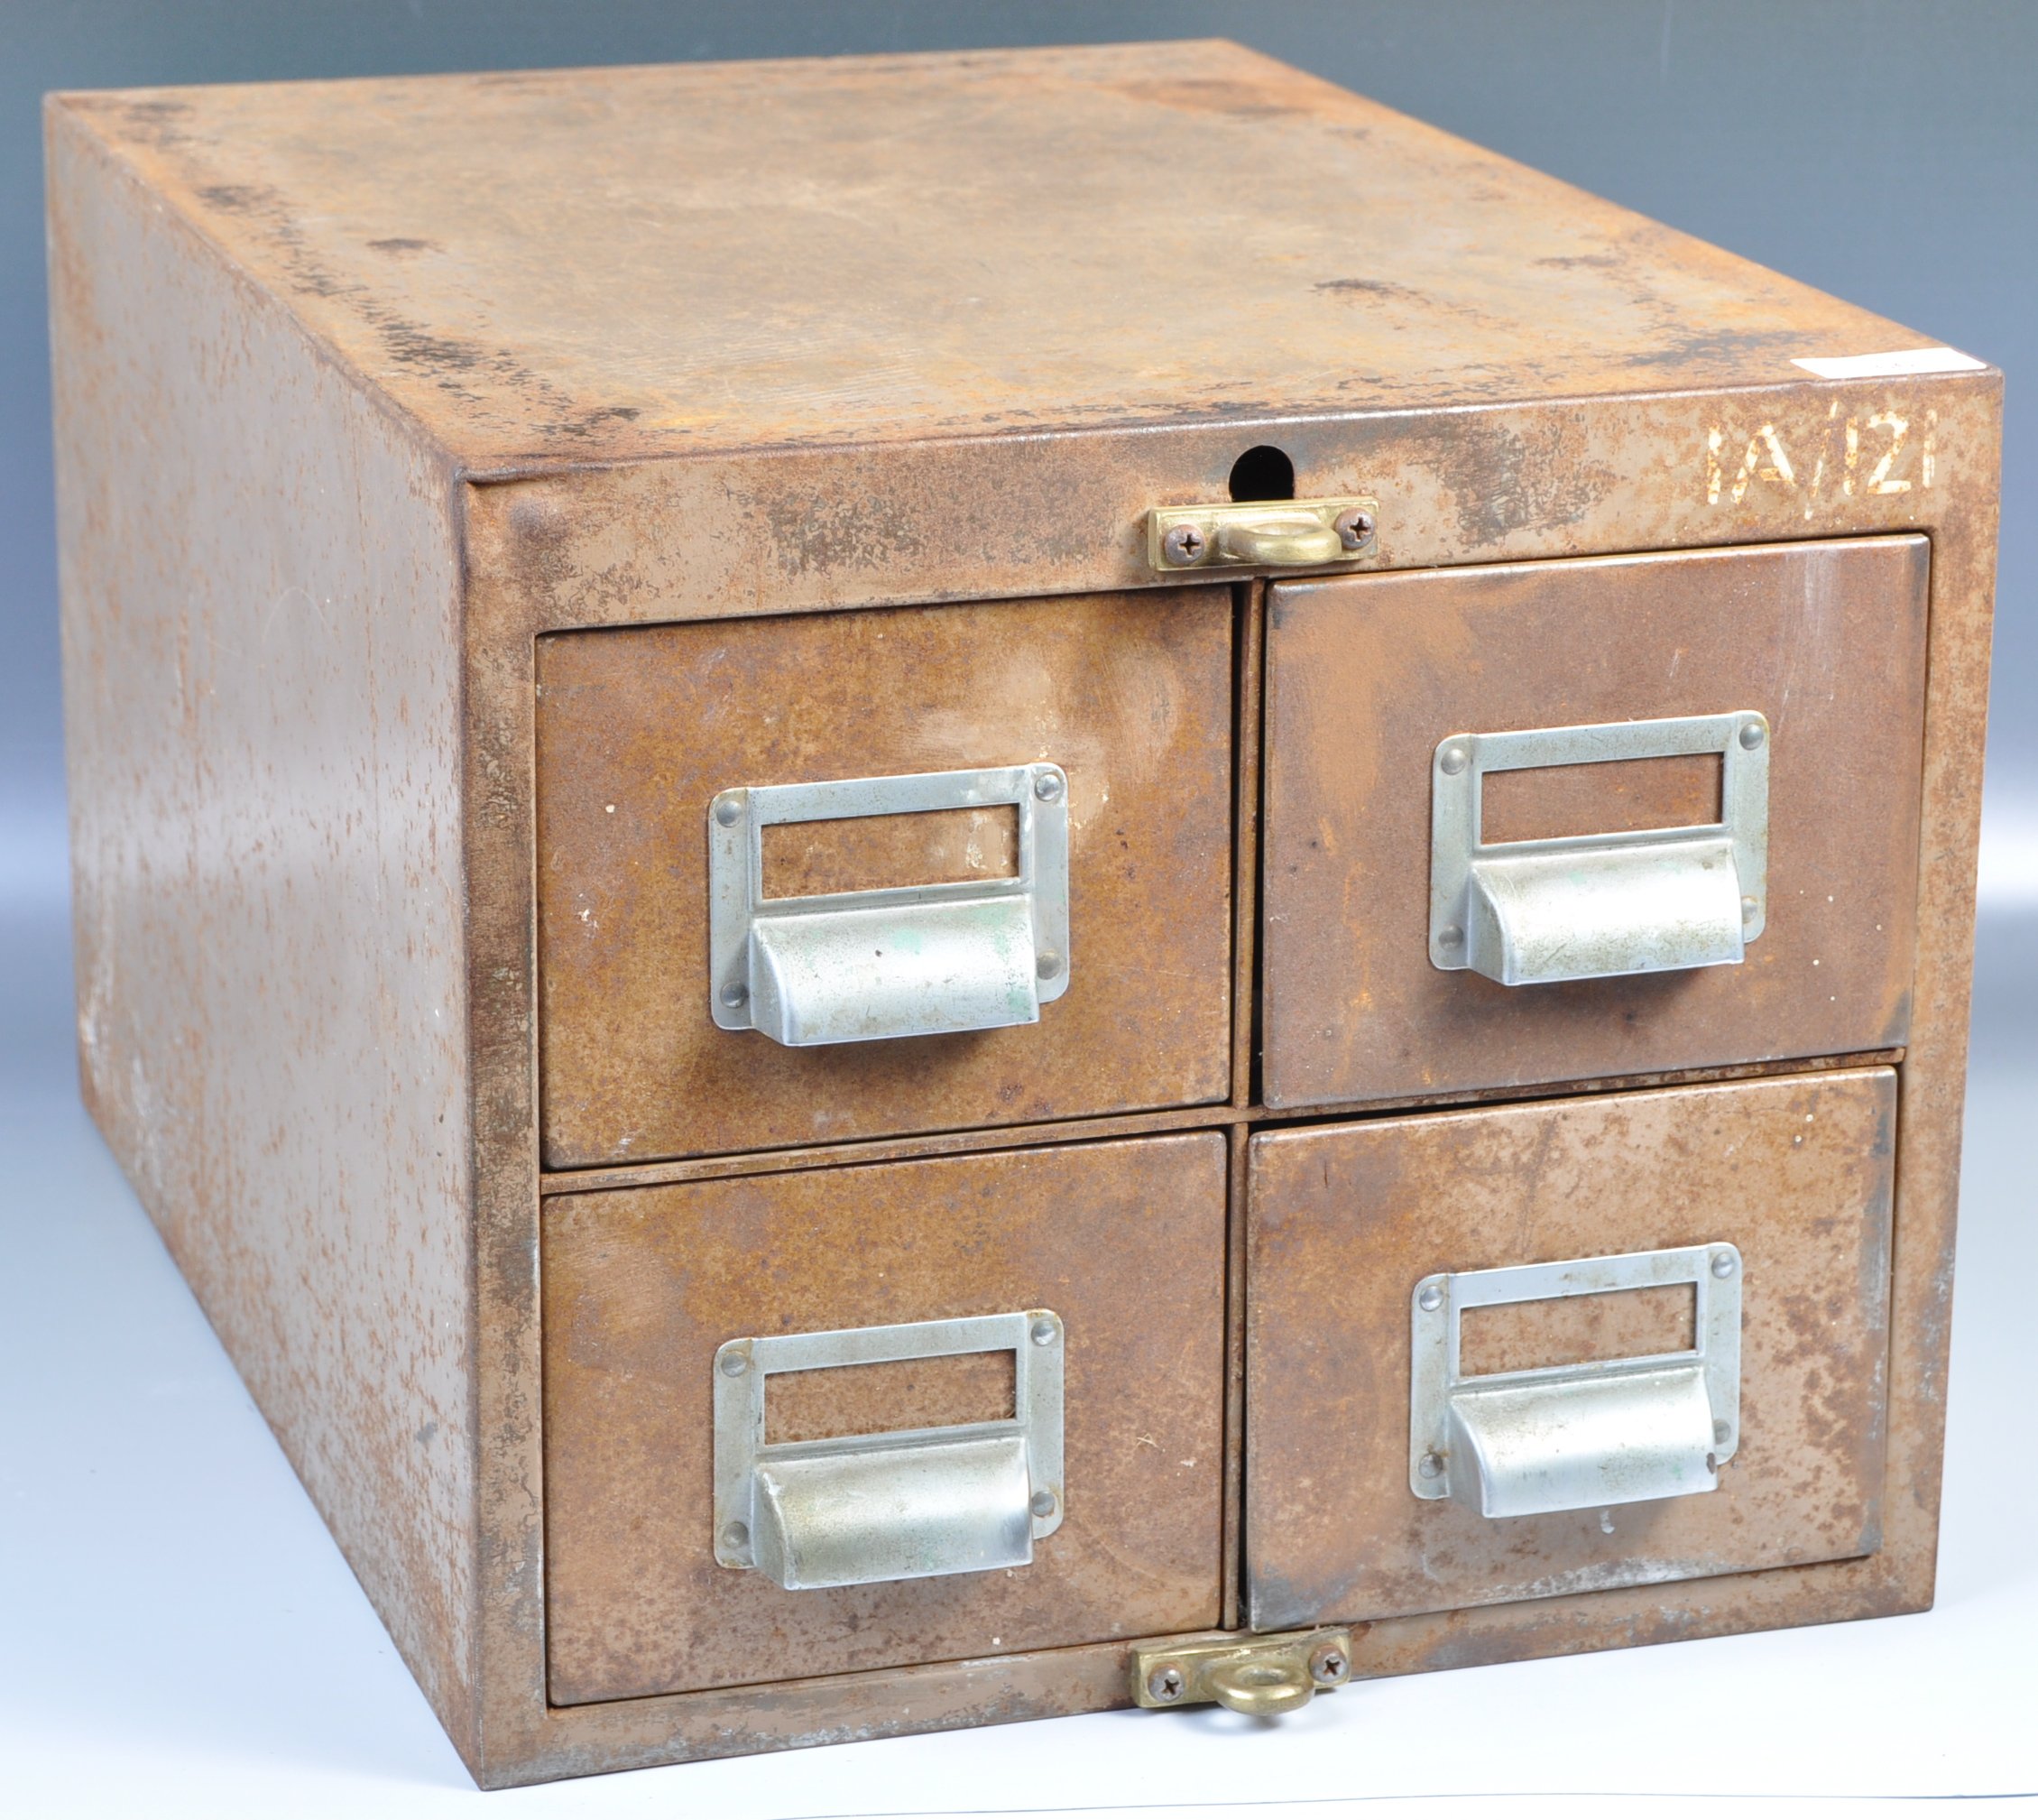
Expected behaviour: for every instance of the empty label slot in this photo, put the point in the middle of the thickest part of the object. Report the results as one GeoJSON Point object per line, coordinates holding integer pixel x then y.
{"type": "Point", "coordinates": [1618, 796]}
{"type": "Point", "coordinates": [878, 1399]}
{"type": "Point", "coordinates": [867, 853]}
{"type": "Point", "coordinates": [1577, 1330]}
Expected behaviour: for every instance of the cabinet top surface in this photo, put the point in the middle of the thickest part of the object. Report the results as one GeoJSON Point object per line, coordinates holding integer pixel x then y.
{"type": "Point", "coordinates": [601, 265]}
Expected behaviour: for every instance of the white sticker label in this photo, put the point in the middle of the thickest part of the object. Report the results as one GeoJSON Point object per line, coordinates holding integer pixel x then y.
{"type": "Point", "coordinates": [1911, 360]}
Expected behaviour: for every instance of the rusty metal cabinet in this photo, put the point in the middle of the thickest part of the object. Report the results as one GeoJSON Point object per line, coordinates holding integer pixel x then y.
{"type": "Point", "coordinates": [893, 957]}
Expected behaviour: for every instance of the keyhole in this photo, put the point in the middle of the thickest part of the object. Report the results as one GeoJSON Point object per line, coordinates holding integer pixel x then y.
{"type": "Point", "coordinates": [1263, 471]}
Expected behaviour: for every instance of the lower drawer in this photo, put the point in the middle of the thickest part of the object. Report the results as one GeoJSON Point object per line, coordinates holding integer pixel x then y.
{"type": "Point", "coordinates": [1091, 1277]}
{"type": "Point", "coordinates": [1695, 1387]}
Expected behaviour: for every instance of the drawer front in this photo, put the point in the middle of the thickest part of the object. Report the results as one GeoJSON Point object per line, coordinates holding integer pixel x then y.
{"type": "Point", "coordinates": [1760, 1214]}
{"type": "Point", "coordinates": [1788, 680]}
{"type": "Point", "coordinates": [1111, 1257]}
{"type": "Point", "coordinates": [1121, 704]}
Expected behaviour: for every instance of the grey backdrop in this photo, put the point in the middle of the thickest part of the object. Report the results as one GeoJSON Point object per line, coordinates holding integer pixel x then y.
{"type": "Point", "coordinates": [181, 1636]}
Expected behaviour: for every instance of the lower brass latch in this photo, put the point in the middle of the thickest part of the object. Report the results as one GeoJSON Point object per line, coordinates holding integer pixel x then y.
{"type": "Point", "coordinates": [1262, 1676]}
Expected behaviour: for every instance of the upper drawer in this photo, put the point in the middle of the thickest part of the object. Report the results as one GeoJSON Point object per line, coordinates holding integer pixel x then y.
{"type": "Point", "coordinates": [1090, 832]}
{"type": "Point", "coordinates": [1416, 864]}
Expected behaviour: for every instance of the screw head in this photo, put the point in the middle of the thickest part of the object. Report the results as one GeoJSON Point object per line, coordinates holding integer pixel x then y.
{"type": "Point", "coordinates": [1749, 909]}
{"type": "Point", "coordinates": [1043, 1504]}
{"type": "Point", "coordinates": [729, 808]}
{"type": "Point", "coordinates": [1722, 1263]}
{"type": "Point", "coordinates": [1432, 1298]}
{"type": "Point", "coordinates": [736, 993]}
{"type": "Point", "coordinates": [1048, 786]}
{"type": "Point", "coordinates": [734, 1365]}
{"type": "Point", "coordinates": [1752, 735]}
{"type": "Point", "coordinates": [735, 1536]}
{"type": "Point", "coordinates": [1451, 936]}
{"type": "Point", "coordinates": [1166, 1683]}
{"type": "Point", "coordinates": [1047, 966]}
{"type": "Point", "coordinates": [1452, 760]}
{"type": "Point", "coordinates": [1354, 528]}
{"type": "Point", "coordinates": [1431, 1466]}
{"type": "Point", "coordinates": [1329, 1665]}
{"type": "Point", "coordinates": [1721, 1431]}
{"type": "Point", "coordinates": [1185, 543]}
{"type": "Point", "coordinates": [1042, 1333]}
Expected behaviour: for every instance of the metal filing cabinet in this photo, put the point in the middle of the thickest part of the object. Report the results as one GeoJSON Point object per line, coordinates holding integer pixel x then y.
{"type": "Point", "coordinates": [900, 943]}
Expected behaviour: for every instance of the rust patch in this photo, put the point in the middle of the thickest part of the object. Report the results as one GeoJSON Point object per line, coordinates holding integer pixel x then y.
{"type": "Point", "coordinates": [872, 1400]}
{"type": "Point", "coordinates": [864, 853]}
{"type": "Point", "coordinates": [1615, 796]}
{"type": "Point", "coordinates": [1626, 1323]}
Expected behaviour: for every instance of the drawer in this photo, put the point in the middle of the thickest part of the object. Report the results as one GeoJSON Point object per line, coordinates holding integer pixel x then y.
{"type": "Point", "coordinates": [1038, 801]}
{"type": "Point", "coordinates": [1714, 1281]}
{"type": "Point", "coordinates": [1088, 1281]}
{"type": "Point", "coordinates": [1566, 820]}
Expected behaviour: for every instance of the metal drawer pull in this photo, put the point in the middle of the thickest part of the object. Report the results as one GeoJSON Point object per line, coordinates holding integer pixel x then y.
{"type": "Point", "coordinates": [899, 961]}
{"type": "Point", "coordinates": [1576, 1437]}
{"type": "Point", "coordinates": [1287, 533]}
{"type": "Point", "coordinates": [865, 1509]}
{"type": "Point", "coordinates": [1534, 912]}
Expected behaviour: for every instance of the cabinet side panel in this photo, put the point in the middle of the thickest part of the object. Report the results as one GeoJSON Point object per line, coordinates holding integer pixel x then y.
{"type": "Point", "coordinates": [261, 624]}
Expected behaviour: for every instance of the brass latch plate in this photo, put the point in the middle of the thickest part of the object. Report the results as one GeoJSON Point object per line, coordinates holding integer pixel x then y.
{"type": "Point", "coordinates": [1282, 533]}
{"type": "Point", "coordinates": [1262, 1676]}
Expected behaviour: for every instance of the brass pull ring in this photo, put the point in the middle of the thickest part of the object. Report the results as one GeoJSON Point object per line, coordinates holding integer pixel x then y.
{"type": "Point", "coordinates": [1293, 540]}
{"type": "Point", "coordinates": [1261, 1676]}
{"type": "Point", "coordinates": [1260, 1689]}
{"type": "Point", "coordinates": [1287, 533]}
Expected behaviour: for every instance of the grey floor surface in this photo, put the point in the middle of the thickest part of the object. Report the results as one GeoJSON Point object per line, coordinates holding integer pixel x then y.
{"type": "Point", "coordinates": [181, 1636]}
